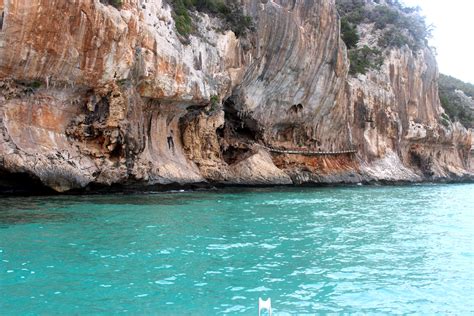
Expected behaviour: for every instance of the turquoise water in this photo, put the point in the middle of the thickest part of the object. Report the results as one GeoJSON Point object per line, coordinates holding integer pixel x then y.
{"type": "Point", "coordinates": [312, 250]}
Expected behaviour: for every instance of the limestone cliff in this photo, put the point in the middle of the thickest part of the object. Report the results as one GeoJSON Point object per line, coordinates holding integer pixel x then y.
{"type": "Point", "coordinates": [397, 117]}
{"type": "Point", "coordinates": [91, 94]}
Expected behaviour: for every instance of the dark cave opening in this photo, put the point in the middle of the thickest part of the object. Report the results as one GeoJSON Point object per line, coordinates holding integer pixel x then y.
{"type": "Point", "coordinates": [234, 155]}
{"type": "Point", "coordinates": [423, 163]}
{"type": "Point", "coordinates": [241, 124]}
{"type": "Point", "coordinates": [116, 152]}
{"type": "Point", "coordinates": [21, 183]}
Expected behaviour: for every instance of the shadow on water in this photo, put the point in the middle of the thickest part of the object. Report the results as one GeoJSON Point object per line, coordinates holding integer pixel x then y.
{"type": "Point", "coordinates": [181, 197]}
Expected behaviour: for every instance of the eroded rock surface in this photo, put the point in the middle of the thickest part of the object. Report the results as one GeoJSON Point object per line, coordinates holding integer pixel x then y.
{"type": "Point", "coordinates": [94, 95]}
{"type": "Point", "coordinates": [397, 120]}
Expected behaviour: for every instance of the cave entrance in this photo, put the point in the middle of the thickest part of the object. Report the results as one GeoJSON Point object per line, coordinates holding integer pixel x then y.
{"type": "Point", "coordinates": [240, 123]}
{"type": "Point", "coordinates": [233, 155]}
{"type": "Point", "coordinates": [422, 162]}
{"type": "Point", "coordinates": [21, 183]}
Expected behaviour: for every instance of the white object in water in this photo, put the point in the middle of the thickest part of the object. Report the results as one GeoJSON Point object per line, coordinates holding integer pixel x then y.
{"type": "Point", "coordinates": [265, 305]}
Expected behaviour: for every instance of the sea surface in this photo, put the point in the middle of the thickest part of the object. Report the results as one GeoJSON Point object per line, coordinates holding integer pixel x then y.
{"type": "Point", "coordinates": [367, 249]}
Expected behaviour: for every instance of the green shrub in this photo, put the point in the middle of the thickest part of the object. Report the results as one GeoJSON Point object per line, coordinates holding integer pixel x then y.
{"type": "Point", "coordinates": [349, 34]}
{"type": "Point", "coordinates": [182, 19]}
{"type": "Point", "coordinates": [458, 108]}
{"type": "Point", "coordinates": [212, 6]}
{"type": "Point", "coordinates": [363, 59]}
{"type": "Point", "coordinates": [394, 37]}
{"type": "Point", "coordinates": [383, 15]}
{"type": "Point", "coordinates": [214, 102]}
{"type": "Point", "coordinates": [353, 11]}
{"type": "Point", "coordinates": [444, 122]}
{"type": "Point", "coordinates": [239, 23]}
{"type": "Point", "coordinates": [231, 13]}
{"type": "Point", "coordinates": [183, 24]}
{"type": "Point", "coordinates": [35, 84]}
{"type": "Point", "coordinates": [116, 3]}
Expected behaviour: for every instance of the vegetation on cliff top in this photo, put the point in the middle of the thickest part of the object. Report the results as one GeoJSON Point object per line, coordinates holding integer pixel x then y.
{"type": "Point", "coordinates": [230, 12]}
{"type": "Point", "coordinates": [459, 106]}
{"type": "Point", "coordinates": [398, 26]}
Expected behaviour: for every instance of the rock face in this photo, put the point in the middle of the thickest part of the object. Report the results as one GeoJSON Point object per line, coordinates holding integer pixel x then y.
{"type": "Point", "coordinates": [398, 120]}
{"type": "Point", "coordinates": [94, 95]}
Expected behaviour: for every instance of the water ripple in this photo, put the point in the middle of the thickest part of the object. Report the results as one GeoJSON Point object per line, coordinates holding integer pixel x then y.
{"type": "Point", "coordinates": [362, 250]}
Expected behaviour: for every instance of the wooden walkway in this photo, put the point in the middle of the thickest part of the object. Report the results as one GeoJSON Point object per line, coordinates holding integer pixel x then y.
{"type": "Point", "coordinates": [309, 152]}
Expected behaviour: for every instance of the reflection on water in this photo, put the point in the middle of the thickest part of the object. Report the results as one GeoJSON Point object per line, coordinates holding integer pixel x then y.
{"type": "Point", "coordinates": [11, 218]}
{"type": "Point", "coordinates": [367, 250]}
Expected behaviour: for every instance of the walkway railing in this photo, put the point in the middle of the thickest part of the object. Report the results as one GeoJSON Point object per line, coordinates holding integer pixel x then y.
{"type": "Point", "coordinates": [310, 152]}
